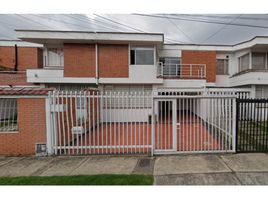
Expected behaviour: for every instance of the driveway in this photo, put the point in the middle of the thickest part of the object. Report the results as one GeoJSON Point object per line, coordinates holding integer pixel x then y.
{"type": "Point", "coordinates": [225, 169]}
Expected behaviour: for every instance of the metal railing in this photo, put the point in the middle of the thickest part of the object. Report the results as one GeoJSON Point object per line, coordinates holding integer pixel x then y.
{"type": "Point", "coordinates": [196, 71]}
{"type": "Point", "coordinates": [8, 115]}
{"type": "Point", "coordinates": [252, 125]}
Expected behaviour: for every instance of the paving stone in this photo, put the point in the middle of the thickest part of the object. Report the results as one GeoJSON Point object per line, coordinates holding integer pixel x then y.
{"type": "Point", "coordinates": [25, 167]}
{"type": "Point", "coordinates": [144, 166]}
{"type": "Point", "coordinates": [106, 165]}
{"type": "Point", "coordinates": [198, 179]}
{"type": "Point", "coordinates": [253, 178]}
{"type": "Point", "coordinates": [247, 162]}
{"type": "Point", "coordinates": [180, 164]}
{"type": "Point", "coordinates": [62, 166]}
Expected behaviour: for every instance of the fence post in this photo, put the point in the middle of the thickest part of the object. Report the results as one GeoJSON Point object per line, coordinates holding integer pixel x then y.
{"type": "Point", "coordinates": [236, 111]}
{"type": "Point", "coordinates": [48, 126]}
{"type": "Point", "coordinates": [153, 123]}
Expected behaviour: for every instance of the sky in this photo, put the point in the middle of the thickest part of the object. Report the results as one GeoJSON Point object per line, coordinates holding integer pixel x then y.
{"type": "Point", "coordinates": [177, 28]}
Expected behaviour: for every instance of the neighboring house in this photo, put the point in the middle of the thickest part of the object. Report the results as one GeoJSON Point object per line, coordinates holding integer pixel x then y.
{"type": "Point", "coordinates": [132, 63]}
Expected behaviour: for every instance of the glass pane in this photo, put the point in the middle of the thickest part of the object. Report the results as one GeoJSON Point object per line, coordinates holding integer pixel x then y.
{"type": "Point", "coordinates": [54, 57]}
{"type": "Point", "coordinates": [244, 62]}
{"type": "Point", "coordinates": [145, 57]}
{"type": "Point", "coordinates": [132, 57]}
{"type": "Point", "coordinates": [222, 66]}
{"type": "Point", "coordinates": [258, 60]}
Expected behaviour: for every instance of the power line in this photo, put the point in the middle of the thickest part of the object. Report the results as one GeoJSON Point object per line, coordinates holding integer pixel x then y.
{"type": "Point", "coordinates": [177, 27]}
{"type": "Point", "coordinates": [93, 20]}
{"type": "Point", "coordinates": [138, 29]}
{"type": "Point", "coordinates": [224, 17]}
{"type": "Point", "coordinates": [220, 29]}
{"type": "Point", "coordinates": [204, 21]}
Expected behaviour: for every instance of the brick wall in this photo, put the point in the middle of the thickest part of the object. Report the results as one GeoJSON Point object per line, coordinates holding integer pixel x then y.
{"type": "Point", "coordinates": [32, 129]}
{"type": "Point", "coordinates": [79, 60]}
{"type": "Point", "coordinates": [113, 61]}
{"type": "Point", "coordinates": [28, 57]}
{"type": "Point", "coordinates": [202, 57]}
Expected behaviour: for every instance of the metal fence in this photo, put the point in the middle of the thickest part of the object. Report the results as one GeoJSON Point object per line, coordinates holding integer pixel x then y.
{"type": "Point", "coordinates": [194, 124]}
{"type": "Point", "coordinates": [8, 115]}
{"type": "Point", "coordinates": [252, 125]}
{"type": "Point", "coordinates": [93, 122]}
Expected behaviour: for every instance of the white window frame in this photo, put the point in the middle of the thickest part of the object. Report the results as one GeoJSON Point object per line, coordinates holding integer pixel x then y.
{"type": "Point", "coordinates": [46, 57]}
{"type": "Point", "coordinates": [227, 69]}
{"type": "Point", "coordinates": [142, 48]}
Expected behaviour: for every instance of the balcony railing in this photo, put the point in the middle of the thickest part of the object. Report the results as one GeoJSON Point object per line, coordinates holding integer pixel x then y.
{"type": "Point", "coordinates": [195, 71]}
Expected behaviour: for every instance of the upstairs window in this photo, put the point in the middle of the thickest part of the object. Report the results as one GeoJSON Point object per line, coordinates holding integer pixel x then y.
{"type": "Point", "coordinates": [258, 60]}
{"type": "Point", "coordinates": [222, 67]}
{"type": "Point", "coordinates": [171, 65]}
{"type": "Point", "coordinates": [142, 56]}
{"type": "Point", "coordinates": [243, 62]}
{"type": "Point", "coordinates": [54, 57]}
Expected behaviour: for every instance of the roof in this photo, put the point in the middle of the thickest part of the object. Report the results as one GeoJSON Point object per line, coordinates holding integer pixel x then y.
{"type": "Point", "coordinates": [177, 28]}
{"type": "Point", "coordinates": [24, 91]}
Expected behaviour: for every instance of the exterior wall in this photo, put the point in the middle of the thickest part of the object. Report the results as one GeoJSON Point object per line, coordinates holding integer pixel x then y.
{"type": "Point", "coordinates": [202, 57]}
{"type": "Point", "coordinates": [28, 57]}
{"type": "Point", "coordinates": [13, 79]}
{"type": "Point", "coordinates": [32, 129]}
{"type": "Point", "coordinates": [79, 60]}
{"type": "Point", "coordinates": [113, 61]}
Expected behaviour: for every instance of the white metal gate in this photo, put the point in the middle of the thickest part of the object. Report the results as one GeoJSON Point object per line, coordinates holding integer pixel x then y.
{"type": "Point", "coordinates": [194, 124]}
{"type": "Point", "coordinates": [91, 122]}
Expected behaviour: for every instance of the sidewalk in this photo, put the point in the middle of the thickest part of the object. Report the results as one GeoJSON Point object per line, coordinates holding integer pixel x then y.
{"type": "Point", "coordinates": [227, 169]}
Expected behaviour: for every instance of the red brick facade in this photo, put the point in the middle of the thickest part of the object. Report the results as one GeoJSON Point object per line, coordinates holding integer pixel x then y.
{"type": "Point", "coordinates": [28, 57]}
{"type": "Point", "coordinates": [202, 57]}
{"type": "Point", "coordinates": [113, 61]}
{"type": "Point", "coordinates": [32, 129]}
{"type": "Point", "coordinates": [79, 60]}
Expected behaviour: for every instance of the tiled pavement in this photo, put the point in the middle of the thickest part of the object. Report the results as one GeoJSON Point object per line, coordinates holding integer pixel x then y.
{"type": "Point", "coordinates": [224, 169]}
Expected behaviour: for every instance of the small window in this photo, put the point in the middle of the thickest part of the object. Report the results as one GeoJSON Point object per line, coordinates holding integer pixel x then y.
{"type": "Point", "coordinates": [244, 62]}
{"type": "Point", "coordinates": [8, 115]}
{"type": "Point", "coordinates": [261, 91]}
{"type": "Point", "coordinates": [142, 56]}
{"type": "Point", "coordinates": [54, 57]}
{"type": "Point", "coordinates": [258, 60]}
{"type": "Point", "coordinates": [171, 65]}
{"type": "Point", "coordinates": [222, 67]}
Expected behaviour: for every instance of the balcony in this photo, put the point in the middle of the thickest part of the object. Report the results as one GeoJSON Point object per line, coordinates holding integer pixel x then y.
{"type": "Point", "coordinates": [181, 71]}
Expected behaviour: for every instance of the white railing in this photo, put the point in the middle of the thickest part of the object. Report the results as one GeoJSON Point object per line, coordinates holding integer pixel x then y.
{"type": "Point", "coordinates": [181, 70]}
{"type": "Point", "coordinates": [94, 122]}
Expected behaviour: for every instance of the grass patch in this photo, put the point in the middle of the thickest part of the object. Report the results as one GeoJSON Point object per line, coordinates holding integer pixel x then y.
{"type": "Point", "coordinates": [106, 179]}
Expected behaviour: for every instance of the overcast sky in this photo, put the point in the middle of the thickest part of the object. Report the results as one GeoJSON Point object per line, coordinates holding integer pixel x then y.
{"type": "Point", "coordinates": [178, 28]}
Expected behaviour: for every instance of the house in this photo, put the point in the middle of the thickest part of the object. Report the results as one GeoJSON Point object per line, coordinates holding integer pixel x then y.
{"type": "Point", "coordinates": [164, 98]}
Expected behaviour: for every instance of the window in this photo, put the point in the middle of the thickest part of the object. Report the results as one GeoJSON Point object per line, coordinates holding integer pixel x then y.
{"type": "Point", "coordinates": [142, 56]}
{"type": "Point", "coordinates": [171, 65]}
{"type": "Point", "coordinates": [54, 57]}
{"type": "Point", "coordinates": [244, 62]}
{"type": "Point", "coordinates": [8, 115]}
{"type": "Point", "coordinates": [261, 91]}
{"type": "Point", "coordinates": [222, 67]}
{"type": "Point", "coordinates": [258, 60]}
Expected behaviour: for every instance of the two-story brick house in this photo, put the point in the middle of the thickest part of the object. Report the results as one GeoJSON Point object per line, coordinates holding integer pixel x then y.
{"type": "Point", "coordinates": [136, 62]}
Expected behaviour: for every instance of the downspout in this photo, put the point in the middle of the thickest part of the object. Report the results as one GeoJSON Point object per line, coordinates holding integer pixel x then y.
{"type": "Point", "coordinates": [97, 63]}
{"type": "Point", "coordinates": [16, 58]}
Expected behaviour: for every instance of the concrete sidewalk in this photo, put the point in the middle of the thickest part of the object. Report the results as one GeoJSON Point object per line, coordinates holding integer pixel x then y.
{"type": "Point", "coordinates": [227, 169]}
